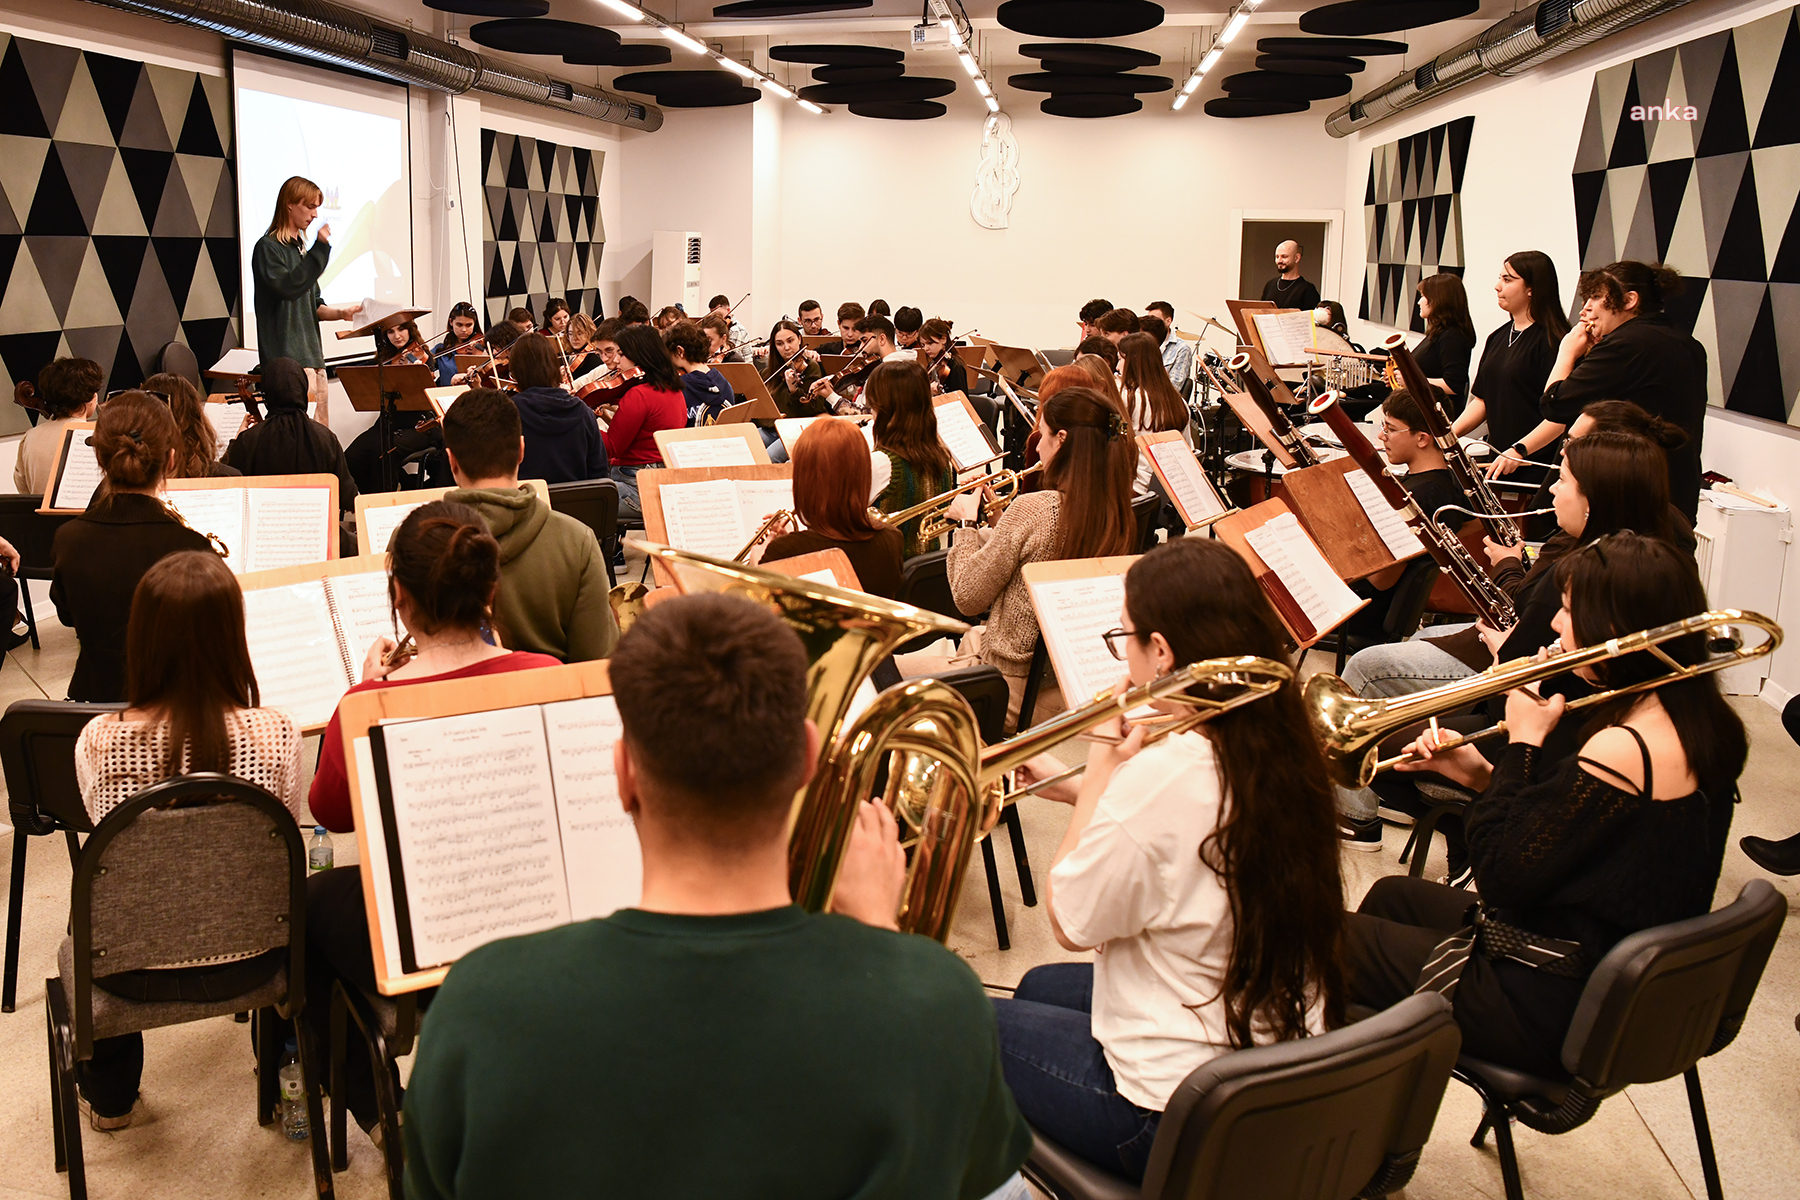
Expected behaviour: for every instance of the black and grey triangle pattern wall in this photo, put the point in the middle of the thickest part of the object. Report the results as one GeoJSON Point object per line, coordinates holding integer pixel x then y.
{"type": "Point", "coordinates": [118, 216]}
{"type": "Point", "coordinates": [1412, 219]}
{"type": "Point", "coordinates": [1691, 157]}
{"type": "Point", "coordinates": [541, 233]}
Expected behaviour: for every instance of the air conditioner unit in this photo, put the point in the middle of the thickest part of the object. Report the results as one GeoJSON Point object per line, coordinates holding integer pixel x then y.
{"type": "Point", "coordinates": [675, 272]}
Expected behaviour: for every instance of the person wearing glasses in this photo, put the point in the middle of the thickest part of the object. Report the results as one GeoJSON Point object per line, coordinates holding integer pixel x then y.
{"type": "Point", "coordinates": [1218, 920]}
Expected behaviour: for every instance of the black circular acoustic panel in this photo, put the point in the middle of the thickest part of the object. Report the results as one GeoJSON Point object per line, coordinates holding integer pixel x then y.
{"type": "Point", "coordinates": [1308, 66]}
{"type": "Point", "coordinates": [1090, 105]}
{"type": "Point", "coordinates": [837, 56]}
{"type": "Point", "coordinates": [1090, 85]}
{"type": "Point", "coordinates": [707, 97]}
{"type": "Point", "coordinates": [900, 110]}
{"type": "Point", "coordinates": [545, 35]}
{"type": "Point", "coordinates": [1080, 18]}
{"type": "Point", "coordinates": [1357, 18]}
{"type": "Point", "coordinates": [635, 55]}
{"type": "Point", "coordinates": [1075, 68]}
{"type": "Point", "coordinates": [1316, 47]}
{"type": "Point", "coordinates": [1097, 56]}
{"type": "Point", "coordinates": [1240, 106]}
{"type": "Point", "coordinates": [654, 83]}
{"type": "Point", "coordinates": [907, 87]}
{"type": "Point", "coordinates": [1268, 85]}
{"type": "Point", "coordinates": [859, 74]}
{"type": "Point", "coordinates": [492, 8]}
{"type": "Point", "coordinates": [786, 8]}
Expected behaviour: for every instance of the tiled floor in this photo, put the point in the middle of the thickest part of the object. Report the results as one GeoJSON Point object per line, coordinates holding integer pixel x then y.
{"type": "Point", "coordinates": [196, 1134]}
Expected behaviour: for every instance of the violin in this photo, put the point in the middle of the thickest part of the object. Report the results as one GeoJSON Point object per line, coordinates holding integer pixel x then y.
{"type": "Point", "coordinates": [607, 381]}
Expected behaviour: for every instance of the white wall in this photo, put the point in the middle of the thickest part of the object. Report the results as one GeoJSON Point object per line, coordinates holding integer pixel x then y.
{"type": "Point", "coordinates": [695, 173]}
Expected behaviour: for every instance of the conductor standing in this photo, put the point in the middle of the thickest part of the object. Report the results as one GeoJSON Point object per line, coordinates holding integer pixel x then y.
{"type": "Point", "coordinates": [288, 303]}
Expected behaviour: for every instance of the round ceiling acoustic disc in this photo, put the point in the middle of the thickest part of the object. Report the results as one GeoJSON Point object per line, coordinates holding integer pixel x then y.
{"type": "Point", "coordinates": [707, 97]}
{"type": "Point", "coordinates": [900, 110]}
{"type": "Point", "coordinates": [492, 8]}
{"type": "Point", "coordinates": [1090, 106]}
{"type": "Point", "coordinates": [907, 87]}
{"type": "Point", "coordinates": [636, 55]}
{"type": "Point", "coordinates": [543, 35]}
{"type": "Point", "coordinates": [1308, 66]}
{"type": "Point", "coordinates": [1080, 18]}
{"type": "Point", "coordinates": [1268, 85]}
{"type": "Point", "coordinates": [1097, 55]}
{"type": "Point", "coordinates": [787, 8]}
{"type": "Point", "coordinates": [859, 74]}
{"type": "Point", "coordinates": [837, 56]}
{"type": "Point", "coordinates": [655, 82]}
{"type": "Point", "coordinates": [1357, 18]}
{"type": "Point", "coordinates": [1242, 106]}
{"type": "Point", "coordinates": [1090, 85]}
{"type": "Point", "coordinates": [1314, 47]}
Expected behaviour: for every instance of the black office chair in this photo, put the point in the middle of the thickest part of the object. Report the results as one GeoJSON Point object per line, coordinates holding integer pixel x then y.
{"type": "Point", "coordinates": [1322, 1118]}
{"type": "Point", "coordinates": [1659, 1002]}
{"type": "Point", "coordinates": [1144, 510]}
{"type": "Point", "coordinates": [33, 535]}
{"type": "Point", "coordinates": [595, 503]}
{"type": "Point", "coordinates": [37, 753]}
{"type": "Point", "coordinates": [925, 583]}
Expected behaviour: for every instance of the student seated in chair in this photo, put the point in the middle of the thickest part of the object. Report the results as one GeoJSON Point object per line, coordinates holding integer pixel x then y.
{"type": "Point", "coordinates": [69, 390]}
{"type": "Point", "coordinates": [716, 1040]}
{"type": "Point", "coordinates": [287, 441]}
{"type": "Point", "coordinates": [553, 595]}
{"type": "Point", "coordinates": [562, 442]}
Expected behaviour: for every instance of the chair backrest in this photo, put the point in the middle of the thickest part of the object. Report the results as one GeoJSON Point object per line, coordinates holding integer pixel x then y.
{"type": "Point", "coordinates": [984, 687]}
{"type": "Point", "coordinates": [1321, 1118]}
{"type": "Point", "coordinates": [1145, 508]}
{"type": "Point", "coordinates": [37, 753]}
{"type": "Point", "coordinates": [1662, 998]}
{"type": "Point", "coordinates": [32, 533]}
{"type": "Point", "coordinates": [593, 502]}
{"type": "Point", "coordinates": [1406, 605]}
{"type": "Point", "coordinates": [223, 874]}
{"type": "Point", "coordinates": [178, 359]}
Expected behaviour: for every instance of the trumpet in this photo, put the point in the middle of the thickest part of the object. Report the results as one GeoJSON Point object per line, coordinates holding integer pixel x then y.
{"type": "Point", "coordinates": [775, 518]}
{"type": "Point", "coordinates": [933, 521]}
{"type": "Point", "coordinates": [1351, 728]}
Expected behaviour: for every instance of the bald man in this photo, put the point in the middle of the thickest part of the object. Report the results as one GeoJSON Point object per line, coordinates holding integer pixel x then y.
{"type": "Point", "coordinates": [1290, 289]}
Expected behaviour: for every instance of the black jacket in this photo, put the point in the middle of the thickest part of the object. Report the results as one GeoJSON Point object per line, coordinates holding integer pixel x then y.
{"type": "Point", "coordinates": [562, 442]}
{"type": "Point", "coordinates": [100, 556]}
{"type": "Point", "coordinates": [288, 442]}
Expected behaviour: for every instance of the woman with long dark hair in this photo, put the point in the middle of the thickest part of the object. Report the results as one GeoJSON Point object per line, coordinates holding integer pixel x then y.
{"type": "Point", "coordinates": [831, 498]}
{"type": "Point", "coordinates": [654, 401]}
{"type": "Point", "coordinates": [1203, 868]}
{"type": "Point", "coordinates": [1584, 831]}
{"type": "Point", "coordinates": [1449, 337]}
{"type": "Point", "coordinates": [458, 330]}
{"type": "Point", "coordinates": [1151, 400]}
{"type": "Point", "coordinates": [192, 706]}
{"type": "Point", "coordinates": [196, 440]}
{"type": "Point", "coordinates": [1515, 363]}
{"type": "Point", "coordinates": [793, 370]}
{"type": "Point", "coordinates": [910, 462]}
{"type": "Point", "coordinates": [563, 444]}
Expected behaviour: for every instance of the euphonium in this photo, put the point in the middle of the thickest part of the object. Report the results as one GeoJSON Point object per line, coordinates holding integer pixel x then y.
{"type": "Point", "coordinates": [1351, 728]}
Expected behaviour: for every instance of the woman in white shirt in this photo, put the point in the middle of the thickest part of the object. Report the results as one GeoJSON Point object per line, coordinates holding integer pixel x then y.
{"type": "Point", "coordinates": [1151, 401]}
{"type": "Point", "coordinates": [1202, 869]}
{"type": "Point", "coordinates": [193, 706]}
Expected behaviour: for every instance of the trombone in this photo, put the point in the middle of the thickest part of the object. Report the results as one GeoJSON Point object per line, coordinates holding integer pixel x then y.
{"type": "Point", "coordinates": [1351, 728]}
{"type": "Point", "coordinates": [933, 521]}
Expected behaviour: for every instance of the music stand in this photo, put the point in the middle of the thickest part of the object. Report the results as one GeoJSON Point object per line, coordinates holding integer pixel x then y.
{"type": "Point", "coordinates": [380, 393]}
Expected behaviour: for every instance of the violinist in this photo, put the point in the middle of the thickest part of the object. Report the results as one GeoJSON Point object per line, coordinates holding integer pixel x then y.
{"type": "Point", "coordinates": [562, 441]}
{"type": "Point", "coordinates": [584, 358]}
{"type": "Point", "coordinates": [793, 372]}
{"type": "Point", "coordinates": [906, 327]}
{"type": "Point", "coordinates": [556, 316]}
{"type": "Point", "coordinates": [947, 372]}
{"type": "Point", "coordinates": [69, 390]}
{"type": "Point", "coordinates": [666, 318]}
{"type": "Point", "coordinates": [812, 318]}
{"type": "Point", "coordinates": [495, 373]}
{"type": "Point", "coordinates": [718, 339]}
{"type": "Point", "coordinates": [849, 313]}
{"type": "Point", "coordinates": [402, 344]}
{"type": "Point", "coordinates": [720, 306]}
{"type": "Point", "coordinates": [523, 319]}
{"type": "Point", "coordinates": [655, 401]}
{"type": "Point", "coordinates": [601, 387]}
{"type": "Point", "coordinates": [708, 392]}
{"type": "Point", "coordinates": [460, 336]}
{"type": "Point", "coordinates": [845, 388]}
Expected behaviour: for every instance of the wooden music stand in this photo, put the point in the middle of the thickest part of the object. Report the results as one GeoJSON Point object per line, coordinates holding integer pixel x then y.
{"type": "Point", "coordinates": [248, 483]}
{"type": "Point", "coordinates": [1021, 366]}
{"type": "Point", "coordinates": [388, 390]}
{"type": "Point", "coordinates": [748, 384]}
{"type": "Point", "coordinates": [762, 409]}
{"type": "Point", "coordinates": [368, 543]}
{"type": "Point", "coordinates": [1246, 328]}
{"type": "Point", "coordinates": [672, 442]}
{"type": "Point", "coordinates": [1231, 531]}
{"type": "Point", "coordinates": [990, 454]}
{"type": "Point", "coordinates": [833, 562]}
{"type": "Point", "coordinates": [1209, 492]}
{"type": "Point", "coordinates": [1084, 666]}
{"type": "Point", "coordinates": [831, 364]}
{"type": "Point", "coordinates": [1322, 500]}
{"type": "Point", "coordinates": [814, 340]}
{"type": "Point", "coordinates": [973, 356]}
{"type": "Point", "coordinates": [651, 483]}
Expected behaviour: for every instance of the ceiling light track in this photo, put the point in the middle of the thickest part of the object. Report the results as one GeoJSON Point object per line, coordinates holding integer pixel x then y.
{"type": "Point", "coordinates": [676, 35]}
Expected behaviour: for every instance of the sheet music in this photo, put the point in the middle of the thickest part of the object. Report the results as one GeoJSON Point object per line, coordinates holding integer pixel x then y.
{"type": "Point", "coordinates": [369, 817]}
{"type": "Point", "coordinates": [1396, 535]}
{"type": "Point", "coordinates": [381, 521]}
{"type": "Point", "coordinates": [967, 444]}
{"type": "Point", "coordinates": [363, 611]}
{"type": "Point", "coordinates": [711, 452]}
{"type": "Point", "coordinates": [825, 577]}
{"type": "Point", "coordinates": [81, 474]}
{"type": "Point", "coordinates": [790, 429]}
{"type": "Point", "coordinates": [704, 517]}
{"type": "Point", "coordinates": [289, 527]}
{"type": "Point", "coordinates": [238, 362]}
{"type": "Point", "coordinates": [475, 815]}
{"type": "Point", "coordinates": [757, 499]}
{"type": "Point", "coordinates": [599, 841]}
{"type": "Point", "coordinates": [227, 421]}
{"type": "Point", "coordinates": [1073, 613]}
{"type": "Point", "coordinates": [1283, 545]}
{"type": "Point", "coordinates": [218, 511]}
{"type": "Point", "coordinates": [294, 651]}
{"type": "Point", "coordinates": [1194, 493]}
{"type": "Point", "coordinates": [1288, 336]}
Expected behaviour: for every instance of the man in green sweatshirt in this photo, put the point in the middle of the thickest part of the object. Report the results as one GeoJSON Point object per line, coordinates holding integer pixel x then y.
{"type": "Point", "coordinates": [553, 582]}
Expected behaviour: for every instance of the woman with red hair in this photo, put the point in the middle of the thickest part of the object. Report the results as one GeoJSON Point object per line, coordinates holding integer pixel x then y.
{"type": "Point", "coordinates": [831, 498]}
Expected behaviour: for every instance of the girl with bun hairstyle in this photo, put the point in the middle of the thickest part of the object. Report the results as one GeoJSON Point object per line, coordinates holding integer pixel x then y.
{"type": "Point", "coordinates": [101, 555]}
{"type": "Point", "coordinates": [443, 574]}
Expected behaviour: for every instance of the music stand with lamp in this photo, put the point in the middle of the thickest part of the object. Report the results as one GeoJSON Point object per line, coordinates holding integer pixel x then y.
{"type": "Point", "coordinates": [387, 389]}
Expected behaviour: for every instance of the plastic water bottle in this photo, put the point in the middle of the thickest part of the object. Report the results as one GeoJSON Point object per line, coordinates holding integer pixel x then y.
{"type": "Point", "coordinates": [293, 1095]}
{"type": "Point", "coordinates": [318, 851]}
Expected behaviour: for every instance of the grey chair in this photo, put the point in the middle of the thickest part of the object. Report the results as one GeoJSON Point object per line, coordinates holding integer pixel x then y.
{"type": "Point", "coordinates": [1659, 1002]}
{"type": "Point", "coordinates": [33, 535]}
{"type": "Point", "coordinates": [37, 753]}
{"type": "Point", "coordinates": [388, 1026]}
{"type": "Point", "coordinates": [595, 503]}
{"type": "Point", "coordinates": [200, 866]}
{"type": "Point", "coordinates": [178, 359]}
{"type": "Point", "coordinates": [1323, 1118]}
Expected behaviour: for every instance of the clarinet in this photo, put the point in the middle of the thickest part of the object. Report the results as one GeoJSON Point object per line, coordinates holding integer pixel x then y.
{"type": "Point", "coordinates": [1250, 369]}
{"type": "Point", "coordinates": [1491, 603]}
{"type": "Point", "coordinates": [1499, 523]}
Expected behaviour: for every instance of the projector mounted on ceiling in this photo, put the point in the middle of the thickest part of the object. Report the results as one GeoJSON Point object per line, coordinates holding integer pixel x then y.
{"type": "Point", "coordinates": [929, 35]}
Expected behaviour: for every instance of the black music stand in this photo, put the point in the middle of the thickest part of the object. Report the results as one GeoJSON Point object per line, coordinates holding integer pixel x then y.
{"type": "Point", "coordinates": [376, 389]}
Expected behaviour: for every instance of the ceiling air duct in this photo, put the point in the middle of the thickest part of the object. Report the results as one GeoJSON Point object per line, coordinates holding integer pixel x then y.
{"type": "Point", "coordinates": [331, 33]}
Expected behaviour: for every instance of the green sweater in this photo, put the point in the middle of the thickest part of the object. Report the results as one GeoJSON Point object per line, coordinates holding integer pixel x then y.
{"type": "Point", "coordinates": [772, 1055]}
{"type": "Point", "coordinates": [553, 587]}
{"type": "Point", "coordinates": [287, 299]}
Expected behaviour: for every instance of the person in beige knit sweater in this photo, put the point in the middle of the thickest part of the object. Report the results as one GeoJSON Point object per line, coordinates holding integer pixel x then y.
{"type": "Point", "coordinates": [1084, 511]}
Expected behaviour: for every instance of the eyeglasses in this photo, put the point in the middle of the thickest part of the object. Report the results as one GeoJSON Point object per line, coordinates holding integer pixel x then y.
{"type": "Point", "coordinates": [1113, 637]}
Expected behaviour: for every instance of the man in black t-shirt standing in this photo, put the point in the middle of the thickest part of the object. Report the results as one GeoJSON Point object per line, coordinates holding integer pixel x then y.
{"type": "Point", "coordinates": [1290, 289]}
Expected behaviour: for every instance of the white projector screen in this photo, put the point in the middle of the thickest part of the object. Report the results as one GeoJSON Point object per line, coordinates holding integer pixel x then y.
{"type": "Point", "coordinates": [349, 136]}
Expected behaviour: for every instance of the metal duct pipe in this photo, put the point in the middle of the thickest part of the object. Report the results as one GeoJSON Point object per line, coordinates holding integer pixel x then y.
{"type": "Point", "coordinates": [329, 32]}
{"type": "Point", "coordinates": [1508, 47]}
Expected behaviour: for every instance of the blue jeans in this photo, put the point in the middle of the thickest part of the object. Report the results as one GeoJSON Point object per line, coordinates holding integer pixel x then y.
{"type": "Point", "coordinates": [1059, 1075]}
{"type": "Point", "coordinates": [1397, 669]}
{"type": "Point", "coordinates": [630, 506]}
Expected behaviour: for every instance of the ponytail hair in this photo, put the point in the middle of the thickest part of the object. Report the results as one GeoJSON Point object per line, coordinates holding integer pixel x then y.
{"type": "Point", "coordinates": [132, 440]}
{"type": "Point", "coordinates": [448, 562]}
{"type": "Point", "coordinates": [1093, 470]}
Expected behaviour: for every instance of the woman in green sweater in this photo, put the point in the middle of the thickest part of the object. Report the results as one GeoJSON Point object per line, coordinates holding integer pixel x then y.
{"type": "Point", "coordinates": [289, 306]}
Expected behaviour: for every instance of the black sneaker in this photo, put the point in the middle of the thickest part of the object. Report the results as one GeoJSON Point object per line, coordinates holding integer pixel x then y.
{"type": "Point", "coordinates": [1360, 835]}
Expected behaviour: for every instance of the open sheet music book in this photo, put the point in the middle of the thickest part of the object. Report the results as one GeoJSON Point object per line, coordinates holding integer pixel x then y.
{"type": "Point", "coordinates": [78, 475]}
{"type": "Point", "coordinates": [308, 629]}
{"type": "Point", "coordinates": [1310, 595]}
{"type": "Point", "coordinates": [718, 445]}
{"type": "Point", "coordinates": [1193, 492]}
{"type": "Point", "coordinates": [378, 515]}
{"type": "Point", "coordinates": [265, 521]}
{"type": "Point", "coordinates": [790, 429]}
{"type": "Point", "coordinates": [962, 434]}
{"type": "Point", "coordinates": [717, 516]}
{"type": "Point", "coordinates": [1389, 523]}
{"type": "Point", "coordinates": [1076, 601]}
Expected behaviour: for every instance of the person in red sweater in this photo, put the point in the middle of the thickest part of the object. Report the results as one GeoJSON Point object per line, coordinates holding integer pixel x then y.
{"type": "Point", "coordinates": [443, 575]}
{"type": "Point", "coordinates": [654, 402]}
